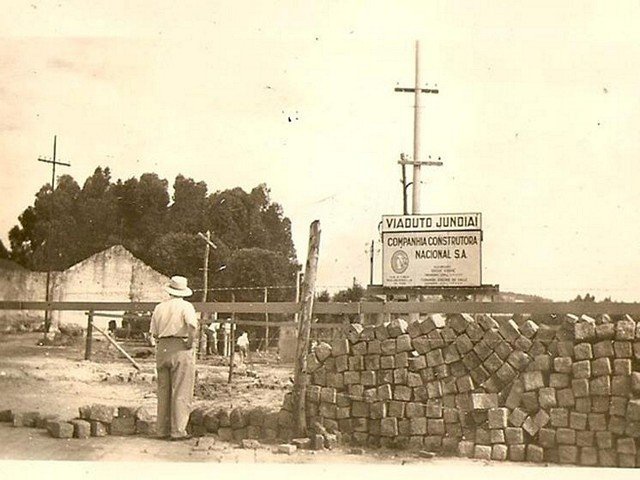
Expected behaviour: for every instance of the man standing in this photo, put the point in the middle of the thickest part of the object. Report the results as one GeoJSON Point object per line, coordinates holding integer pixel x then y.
{"type": "Point", "coordinates": [174, 324]}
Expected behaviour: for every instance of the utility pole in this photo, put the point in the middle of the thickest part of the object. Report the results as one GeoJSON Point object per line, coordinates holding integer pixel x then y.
{"type": "Point", "coordinates": [53, 161]}
{"type": "Point", "coordinates": [371, 253]}
{"type": "Point", "coordinates": [205, 282]}
{"type": "Point", "coordinates": [417, 162]}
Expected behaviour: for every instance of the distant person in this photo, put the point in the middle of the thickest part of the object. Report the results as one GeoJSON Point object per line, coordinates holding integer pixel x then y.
{"type": "Point", "coordinates": [212, 339]}
{"type": "Point", "coordinates": [174, 324]}
{"type": "Point", "coordinates": [243, 346]}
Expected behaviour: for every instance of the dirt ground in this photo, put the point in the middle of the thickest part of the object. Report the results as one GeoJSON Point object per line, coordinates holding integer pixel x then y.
{"type": "Point", "coordinates": [57, 380]}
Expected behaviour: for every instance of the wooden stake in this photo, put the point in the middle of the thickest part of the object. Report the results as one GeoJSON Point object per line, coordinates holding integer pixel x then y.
{"type": "Point", "coordinates": [89, 344]}
{"type": "Point", "coordinates": [304, 328]}
{"type": "Point", "coordinates": [120, 349]}
{"type": "Point", "coordinates": [233, 340]}
{"type": "Point", "coordinates": [266, 318]}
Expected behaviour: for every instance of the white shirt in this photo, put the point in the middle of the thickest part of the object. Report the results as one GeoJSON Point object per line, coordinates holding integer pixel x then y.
{"type": "Point", "coordinates": [172, 317]}
{"type": "Point", "coordinates": [243, 340]}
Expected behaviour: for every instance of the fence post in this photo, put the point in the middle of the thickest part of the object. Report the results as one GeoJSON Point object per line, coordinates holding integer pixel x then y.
{"type": "Point", "coordinates": [89, 343]}
{"type": "Point", "coordinates": [233, 339]}
{"type": "Point", "coordinates": [304, 328]}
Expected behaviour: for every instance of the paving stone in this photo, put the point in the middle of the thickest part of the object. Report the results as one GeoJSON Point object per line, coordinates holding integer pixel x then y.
{"type": "Point", "coordinates": [498, 417]}
{"type": "Point", "coordinates": [600, 366]}
{"type": "Point", "coordinates": [517, 453]}
{"type": "Point", "coordinates": [626, 446]}
{"type": "Point", "coordinates": [585, 330]}
{"type": "Point", "coordinates": [583, 351]}
{"type": "Point", "coordinates": [466, 448]}
{"type": "Point", "coordinates": [577, 420]}
{"type": "Point", "coordinates": [102, 413]}
{"type": "Point", "coordinates": [633, 409]}
{"type": "Point", "coordinates": [58, 429]}
{"type": "Point", "coordinates": [123, 426]}
{"type": "Point", "coordinates": [585, 438]}
{"type": "Point", "coordinates": [565, 397]}
{"type": "Point", "coordinates": [389, 427]}
{"type": "Point", "coordinates": [580, 387]}
{"type": "Point", "coordinates": [535, 453]}
{"type": "Point", "coordinates": [81, 428]}
{"type": "Point", "coordinates": [562, 364]}
{"type": "Point", "coordinates": [565, 436]}
{"type": "Point", "coordinates": [607, 458]}
{"type": "Point", "coordinates": [286, 448]}
{"type": "Point", "coordinates": [623, 349]}
{"type": "Point", "coordinates": [513, 435]}
{"type": "Point", "coordinates": [568, 454]}
{"type": "Point", "coordinates": [547, 397]}
{"type": "Point", "coordinates": [603, 349]}
{"type": "Point", "coordinates": [625, 329]}
{"type": "Point", "coordinates": [143, 427]}
{"type": "Point", "coordinates": [601, 386]}
{"type": "Point", "coordinates": [482, 452]}
{"type": "Point", "coordinates": [547, 437]}
{"type": "Point", "coordinates": [517, 417]}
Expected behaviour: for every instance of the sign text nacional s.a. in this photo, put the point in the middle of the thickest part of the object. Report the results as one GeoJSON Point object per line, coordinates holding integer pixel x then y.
{"type": "Point", "coordinates": [438, 250]}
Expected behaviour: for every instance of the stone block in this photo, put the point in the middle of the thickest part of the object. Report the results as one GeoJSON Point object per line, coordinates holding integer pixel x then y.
{"type": "Point", "coordinates": [339, 347]}
{"type": "Point", "coordinates": [603, 349]}
{"type": "Point", "coordinates": [102, 413]}
{"type": "Point", "coordinates": [143, 427]}
{"type": "Point", "coordinates": [81, 428]}
{"type": "Point", "coordinates": [588, 456]}
{"type": "Point", "coordinates": [513, 435]}
{"type": "Point", "coordinates": [499, 452]}
{"type": "Point", "coordinates": [98, 429]}
{"type": "Point", "coordinates": [566, 436]}
{"type": "Point", "coordinates": [562, 364]}
{"type": "Point", "coordinates": [607, 458]}
{"type": "Point", "coordinates": [623, 349]}
{"type": "Point", "coordinates": [565, 397]}
{"type": "Point", "coordinates": [356, 363]}
{"type": "Point", "coordinates": [601, 386]}
{"type": "Point", "coordinates": [625, 329]}
{"type": "Point", "coordinates": [497, 417]}
{"type": "Point", "coordinates": [529, 426]}
{"type": "Point", "coordinates": [568, 454]}
{"type": "Point", "coordinates": [482, 452]}
{"type": "Point", "coordinates": [397, 327]}
{"type": "Point", "coordinates": [605, 331]}
{"type": "Point", "coordinates": [322, 351]}
{"type": "Point", "coordinates": [547, 397]}
{"type": "Point", "coordinates": [466, 448]}
{"type": "Point", "coordinates": [435, 426]}
{"type": "Point", "coordinates": [578, 421]}
{"type": "Point", "coordinates": [583, 351]}
{"type": "Point", "coordinates": [286, 448]}
{"type": "Point", "coordinates": [580, 387]}
{"type": "Point", "coordinates": [517, 417]}
{"type": "Point", "coordinates": [418, 426]}
{"type": "Point", "coordinates": [402, 392]}
{"type": "Point", "coordinates": [626, 446]}
{"type": "Point", "coordinates": [517, 453]}
{"type": "Point", "coordinates": [535, 453]}
{"type": "Point", "coordinates": [585, 438]}
{"type": "Point", "coordinates": [621, 385]}
{"type": "Point", "coordinates": [583, 405]}
{"type": "Point", "coordinates": [389, 427]}
{"type": "Point", "coordinates": [626, 461]}
{"type": "Point", "coordinates": [581, 369]}
{"type": "Point", "coordinates": [584, 330]}
{"type": "Point", "coordinates": [600, 366]}
{"type": "Point", "coordinates": [559, 417]}
{"type": "Point", "coordinates": [633, 409]}
{"type": "Point", "coordinates": [59, 429]}
{"type": "Point", "coordinates": [484, 401]}
{"type": "Point", "coordinates": [123, 426]}
{"type": "Point", "coordinates": [547, 437]}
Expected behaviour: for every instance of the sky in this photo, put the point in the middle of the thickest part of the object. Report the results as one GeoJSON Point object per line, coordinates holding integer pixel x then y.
{"type": "Point", "coordinates": [537, 120]}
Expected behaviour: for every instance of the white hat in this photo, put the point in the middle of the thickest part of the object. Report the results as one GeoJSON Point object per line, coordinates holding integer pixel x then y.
{"type": "Point", "coordinates": [178, 287]}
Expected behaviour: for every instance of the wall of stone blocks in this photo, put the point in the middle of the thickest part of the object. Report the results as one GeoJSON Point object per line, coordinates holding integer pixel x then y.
{"type": "Point", "coordinates": [485, 386]}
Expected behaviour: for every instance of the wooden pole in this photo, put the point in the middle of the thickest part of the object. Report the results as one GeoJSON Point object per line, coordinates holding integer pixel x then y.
{"type": "Point", "coordinates": [89, 343]}
{"type": "Point", "coordinates": [304, 328]}
{"type": "Point", "coordinates": [266, 318]}
{"type": "Point", "coordinates": [233, 339]}
{"type": "Point", "coordinates": [120, 349]}
{"type": "Point", "coordinates": [205, 282]}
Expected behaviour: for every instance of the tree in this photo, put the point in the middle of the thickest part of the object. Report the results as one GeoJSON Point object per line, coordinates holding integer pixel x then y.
{"type": "Point", "coordinates": [186, 213]}
{"type": "Point", "coordinates": [4, 253]}
{"type": "Point", "coordinates": [354, 293]}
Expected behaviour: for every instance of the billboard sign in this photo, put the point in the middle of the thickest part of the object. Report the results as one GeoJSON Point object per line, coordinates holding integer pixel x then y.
{"type": "Point", "coordinates": [439, 250]}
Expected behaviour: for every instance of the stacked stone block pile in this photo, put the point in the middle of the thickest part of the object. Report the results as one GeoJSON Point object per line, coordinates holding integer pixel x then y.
{"type": "Point", "coordinates": [485, 387]}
